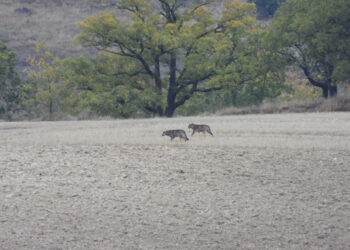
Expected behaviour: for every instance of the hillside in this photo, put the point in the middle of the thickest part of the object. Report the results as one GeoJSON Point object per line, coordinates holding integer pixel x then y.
{"type": "Point", "coordinates": [24, 23]}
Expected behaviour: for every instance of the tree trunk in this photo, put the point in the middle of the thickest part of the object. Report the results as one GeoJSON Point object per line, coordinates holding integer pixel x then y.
{"type": "Point", "coordinates": [160, 110]}
{"type": "Point", "coordinates": [333, 91]}
{"type": "Point", "coordinates": [329, 91]}
{"type": "Point", "coordinates": [171, 106]}
{"type": "Point", "coordinates": [158, 83]}
{"type": "Point", "coordinates": [170, 109]}
{"type": "Point", "coordinates": [50, 110]}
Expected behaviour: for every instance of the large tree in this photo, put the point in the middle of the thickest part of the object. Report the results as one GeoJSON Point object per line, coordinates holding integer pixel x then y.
{"type": "Point", "coordinates": [314, 35]}
{"type": "Point", "coordinates": [174, 48]}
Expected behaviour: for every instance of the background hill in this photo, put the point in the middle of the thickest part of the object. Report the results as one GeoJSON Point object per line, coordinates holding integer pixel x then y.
{"type": "Point", "coordinates": [25, 23]}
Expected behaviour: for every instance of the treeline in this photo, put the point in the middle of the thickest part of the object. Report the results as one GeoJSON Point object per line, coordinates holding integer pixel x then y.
{"type": "Point", "coordinates": [174, 57]}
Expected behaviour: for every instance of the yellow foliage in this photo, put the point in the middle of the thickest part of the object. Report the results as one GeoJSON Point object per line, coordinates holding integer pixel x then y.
{"type": "Point", "coordinates": [41, 65]}
{"type": "Point", "coordinates": [171, 28]}
{"type": "Point", "coordinates": [299, 89]}
{"type": "Point", "coordinates": [202, 11]}
{"type": "Point", "coordinates": [105, 18]}
{"type": "Point", "coordinates": [236, 9]}
{"type": "Point", "coordinates": [108, 18]}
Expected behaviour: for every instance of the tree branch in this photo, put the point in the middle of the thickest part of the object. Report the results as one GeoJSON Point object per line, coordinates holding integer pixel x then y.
{"type": "Point", "coordinates": [198, 6]}
{"type": "Point", "coordinates": [203, 78]}
{"type": "Point", "coordinates": [133, 74]}
{"type": "Point", "coordinates": [208, 89]}
{"type": "Point", "coordinates": [169, 11]}
{"type": "Point", "coordinates": [310, 78]}
{"type": "Point", "coordinates": [186, 97]}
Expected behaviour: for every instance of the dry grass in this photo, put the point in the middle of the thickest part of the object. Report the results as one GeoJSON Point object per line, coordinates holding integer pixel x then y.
{"type": "Point", "coordinates": [337, 104]}
{"type": "Point", "coordinates": [262, 182]}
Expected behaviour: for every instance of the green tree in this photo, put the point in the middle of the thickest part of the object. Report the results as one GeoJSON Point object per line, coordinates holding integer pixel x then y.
{"type": "Point", "coordinates": [9, 81]}
{"type": "Point", "coordinates": [171, 50]}
{"type": "Point", "coordinates": [314, 35]}
{"type": "Point", "coordinates": [92, 85]}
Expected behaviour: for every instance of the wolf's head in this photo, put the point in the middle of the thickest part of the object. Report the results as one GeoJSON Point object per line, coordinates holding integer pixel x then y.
{"type": "Point", "coordinates": [165, 133]}
{"type": "Point", "coordinates": [191, 125]}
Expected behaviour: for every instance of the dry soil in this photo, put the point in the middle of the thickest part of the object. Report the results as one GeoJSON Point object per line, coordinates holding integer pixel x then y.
{"type": "Point", "coordinates": [261, 182]}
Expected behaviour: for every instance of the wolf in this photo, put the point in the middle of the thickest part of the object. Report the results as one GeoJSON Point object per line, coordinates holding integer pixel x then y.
{"type": "Point", "coordinates": [176, 133]}
{"type": "Point", "coordinates": [200, 128]}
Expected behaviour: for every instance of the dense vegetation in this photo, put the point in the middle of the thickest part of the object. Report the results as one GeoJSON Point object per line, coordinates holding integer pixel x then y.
{"type": "Point", "coordinates": [314, 35]}
{"type": "Point", "coordinates": [9, 81]}
{"type": "Point", "coordinates": [177, 57]}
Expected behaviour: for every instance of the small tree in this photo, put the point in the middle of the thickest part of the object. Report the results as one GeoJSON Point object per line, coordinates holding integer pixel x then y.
{"type": "Point", "coordinates": [174, 49]}
{"type": "Point", "coordinates": [9, 81]}
{"type": "Point", "coordinates": [42, 87]}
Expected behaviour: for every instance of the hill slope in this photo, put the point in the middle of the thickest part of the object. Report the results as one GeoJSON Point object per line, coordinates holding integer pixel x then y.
{"type": "Point", "coordinates": [24, 23]}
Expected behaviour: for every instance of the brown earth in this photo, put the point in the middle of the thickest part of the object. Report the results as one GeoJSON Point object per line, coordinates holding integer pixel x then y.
{"type": "Point", "coordinates": [262, 182]}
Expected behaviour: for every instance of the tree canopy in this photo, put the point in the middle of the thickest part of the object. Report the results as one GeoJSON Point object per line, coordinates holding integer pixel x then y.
{"type": "Point", "coordinates": [314, 35]}
{"type": "Point", "coordinates": [174, 50]}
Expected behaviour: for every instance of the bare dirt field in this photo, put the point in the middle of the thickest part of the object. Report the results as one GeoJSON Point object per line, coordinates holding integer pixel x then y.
{"type": "Point", "coordinates": [262, 182]}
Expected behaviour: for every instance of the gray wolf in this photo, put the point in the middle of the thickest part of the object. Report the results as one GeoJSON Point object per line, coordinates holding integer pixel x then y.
{"type": "Point", "coordinates": [200, 128]}
{"type": "Point", "coordinates": [176, 133]}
